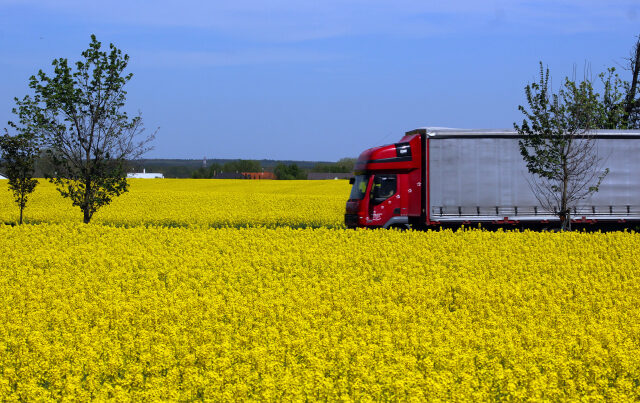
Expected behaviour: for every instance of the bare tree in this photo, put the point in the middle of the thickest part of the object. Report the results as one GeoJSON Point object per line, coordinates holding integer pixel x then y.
{"type": "Point", "coordinates": [87, 135]}
{"type": "Point", "coordinates": [631, 104]}
{"type": "Point", "coordinates": [582, 176]}
{"type": "Point", "coordinates": [557, 144]}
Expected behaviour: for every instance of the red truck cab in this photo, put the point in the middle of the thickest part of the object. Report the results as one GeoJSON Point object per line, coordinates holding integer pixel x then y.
{"type": "Point", "coordinates": [387, 185]}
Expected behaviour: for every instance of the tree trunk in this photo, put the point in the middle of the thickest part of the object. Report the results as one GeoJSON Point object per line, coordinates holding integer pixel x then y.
{"type": "Point", "coordinates": [564, 217]}
{"type": "Point", "coordinates": [86, 208]}
{"type": "Point", "coordinates": [22, 201]}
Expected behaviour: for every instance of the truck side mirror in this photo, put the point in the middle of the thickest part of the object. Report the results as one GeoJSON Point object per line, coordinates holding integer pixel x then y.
{"type": "Point", "coordinates": [352, 180]}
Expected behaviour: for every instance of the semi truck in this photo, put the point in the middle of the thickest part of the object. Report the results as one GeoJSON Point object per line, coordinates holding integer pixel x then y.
{"type": "Point", "coordinates": [443, 177]}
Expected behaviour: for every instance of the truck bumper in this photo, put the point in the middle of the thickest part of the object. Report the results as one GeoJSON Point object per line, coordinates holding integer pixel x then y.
{"type": "Point", "coordinates": [351, 220]}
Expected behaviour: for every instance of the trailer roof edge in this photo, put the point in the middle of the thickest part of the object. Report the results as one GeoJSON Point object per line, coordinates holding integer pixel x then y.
{"type": "Point", "coordinates": [444, 132]}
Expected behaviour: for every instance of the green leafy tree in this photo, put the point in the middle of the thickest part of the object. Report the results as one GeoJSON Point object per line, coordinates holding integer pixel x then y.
{"type": "Point", "coordinates": [557, 145]}
{"type": "Point", "coordinates": [206, 172]}
{"type": "Point", "coordinates": [18, 154]}
{"type": "Point", "coordinates": [611, 113]}
{"type": "Point", "coordinates": [344, 165]}
{"type": "Point", "coordinates": [242, 166]}
{"type": "Point", "coordinates": [89, 138]}
{"type": "Point", "coordinates": [200, 173]}
{"type": "Point", "coordinates": [213, 170]}
{"type": "Point", "coordinates": [289, 172]}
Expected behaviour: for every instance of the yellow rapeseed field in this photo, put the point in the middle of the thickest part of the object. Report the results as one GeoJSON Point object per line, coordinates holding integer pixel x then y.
{"type": "Point", "coordinates": [208, 202]}
{"type": "Point", "coordinates": [148, 304]}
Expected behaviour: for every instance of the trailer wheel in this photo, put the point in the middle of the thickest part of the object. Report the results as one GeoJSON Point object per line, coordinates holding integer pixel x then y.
{"type": "Point", "coordinates": [399, 227]}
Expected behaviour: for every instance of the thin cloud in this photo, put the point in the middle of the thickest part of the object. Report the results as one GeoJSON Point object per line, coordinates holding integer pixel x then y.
{"type": "Point", "coordinates": [242, 57]}
{"type": "Point", "coordinates": [291, 20]}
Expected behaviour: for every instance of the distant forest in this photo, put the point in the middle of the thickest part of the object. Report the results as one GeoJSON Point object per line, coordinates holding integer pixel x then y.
{"type": "Point", "coordinates": [188, 168]}
{"type": "Point", "coordinates": [191, 168]}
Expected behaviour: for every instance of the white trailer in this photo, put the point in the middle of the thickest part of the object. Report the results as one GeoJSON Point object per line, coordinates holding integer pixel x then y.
{"type": "Point", "coordinates": [480, 175]}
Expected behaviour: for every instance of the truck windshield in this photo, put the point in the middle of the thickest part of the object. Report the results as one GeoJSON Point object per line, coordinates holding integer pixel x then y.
{"type": "Point", "coordinates": [359, 187]}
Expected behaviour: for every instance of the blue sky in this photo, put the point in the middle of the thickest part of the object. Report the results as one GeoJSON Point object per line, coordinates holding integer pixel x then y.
{"type": "Point", "coordinates": [316, 80]}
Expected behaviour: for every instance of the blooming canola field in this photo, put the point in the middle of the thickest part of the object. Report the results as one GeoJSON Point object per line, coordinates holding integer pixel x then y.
{"type": "Point", "coordinates": [197, 202]}
{"type": "Point", "coordinates": [152, 304]}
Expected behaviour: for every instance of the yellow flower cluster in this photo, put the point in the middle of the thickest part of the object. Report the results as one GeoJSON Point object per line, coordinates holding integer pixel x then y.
{"type": "Point", "coordinates": [200, 202]}
{"type": "Point", "coordinates": [146, 313]}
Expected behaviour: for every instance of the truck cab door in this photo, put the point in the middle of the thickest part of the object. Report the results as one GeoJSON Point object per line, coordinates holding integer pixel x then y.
{"type": "Point", "coordinates": [384, 200]}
